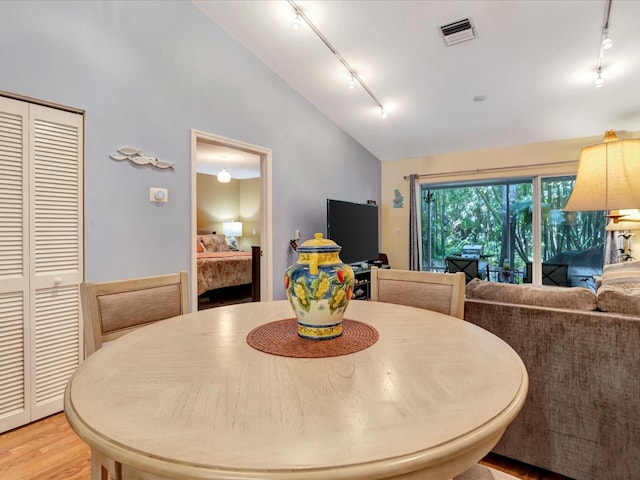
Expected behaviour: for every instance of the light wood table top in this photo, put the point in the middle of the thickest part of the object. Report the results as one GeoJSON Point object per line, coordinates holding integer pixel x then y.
{"type": "Point", "coordinates": [189, 398]}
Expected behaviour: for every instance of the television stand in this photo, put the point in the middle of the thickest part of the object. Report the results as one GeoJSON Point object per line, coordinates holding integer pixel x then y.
{"type": "Point", "coordinates": [362, 279]}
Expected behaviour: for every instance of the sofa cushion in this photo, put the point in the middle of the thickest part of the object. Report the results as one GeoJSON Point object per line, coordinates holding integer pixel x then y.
{"type": "Point", "coordinates": [574, 298]}
{"type": "Point", "coordinates": [621, 298]}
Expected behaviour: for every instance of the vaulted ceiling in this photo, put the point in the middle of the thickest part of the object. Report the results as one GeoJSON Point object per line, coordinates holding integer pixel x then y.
{"type": "Point", "coordinates": [532, 65]}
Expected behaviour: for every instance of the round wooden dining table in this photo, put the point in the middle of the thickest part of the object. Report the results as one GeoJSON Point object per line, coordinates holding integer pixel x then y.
{"type": "Point", "coordinates": [189, 398]}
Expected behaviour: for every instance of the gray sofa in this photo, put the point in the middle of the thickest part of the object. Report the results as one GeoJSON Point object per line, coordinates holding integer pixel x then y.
{"type": "Point", "coordinates": [582, 415]}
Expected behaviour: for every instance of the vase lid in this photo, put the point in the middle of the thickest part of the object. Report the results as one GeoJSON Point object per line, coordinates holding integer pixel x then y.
{"type": "Point", "coordinates": [319, 244]}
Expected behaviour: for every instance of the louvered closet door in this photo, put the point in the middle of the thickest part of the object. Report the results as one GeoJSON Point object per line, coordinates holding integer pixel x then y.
{"type": "Point", "coordinates": [56, 254]}
{"type": "Point", "coordinates": [41, 254]}
{"type": "Point", "coordinates": [14, 266]}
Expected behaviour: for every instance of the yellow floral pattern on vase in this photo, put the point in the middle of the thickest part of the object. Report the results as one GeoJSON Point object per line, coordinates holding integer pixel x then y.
{"type": "Point", "coordinates": [319, 287]}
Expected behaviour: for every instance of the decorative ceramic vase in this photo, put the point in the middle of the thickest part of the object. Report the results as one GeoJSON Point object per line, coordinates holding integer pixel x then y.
{"type": "Point", "coordinates": [319, 287]}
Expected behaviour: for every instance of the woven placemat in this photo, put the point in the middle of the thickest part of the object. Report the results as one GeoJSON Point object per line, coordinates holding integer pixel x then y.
{"type": "Point", "coordinates": [281, 338]}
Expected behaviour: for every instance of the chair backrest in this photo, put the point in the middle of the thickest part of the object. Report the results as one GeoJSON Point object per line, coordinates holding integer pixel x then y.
{"type": "Point", "coordinates": [468, 266]}
{"type": "Point", "coordinates": [440, 292]}
{"type": "Point", "coordinates": [111, 309]}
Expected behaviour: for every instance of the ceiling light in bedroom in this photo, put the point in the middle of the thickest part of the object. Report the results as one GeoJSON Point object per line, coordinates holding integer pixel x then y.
{"type": "Point", "coordinates": [224, 176]}
{"type": "Point", "coordinates": [599, 81]}
{"type": "Point", "coordinates": [352, 82]}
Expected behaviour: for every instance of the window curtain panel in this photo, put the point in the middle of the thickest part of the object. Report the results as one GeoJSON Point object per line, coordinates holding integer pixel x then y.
{"type": "Point", "coordinates": [611, 250]}
{"type": "Point", "coordinates": [415, 225]}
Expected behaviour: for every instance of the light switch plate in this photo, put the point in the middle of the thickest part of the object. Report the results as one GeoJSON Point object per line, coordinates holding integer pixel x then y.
{"type": "Point", "coordinates": [158, 194]}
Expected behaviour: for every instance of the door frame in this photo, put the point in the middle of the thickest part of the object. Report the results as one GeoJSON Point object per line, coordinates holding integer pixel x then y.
{"type": "Point", "coordinates": [266, 231]}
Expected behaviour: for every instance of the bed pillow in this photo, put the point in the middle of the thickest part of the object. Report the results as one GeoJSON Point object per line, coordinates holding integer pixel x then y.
{"type": "Point", "coordinates": [200, 247]}
{"type": "Point", "coordinates": [214, 243]}
{"type": "Point", "coordinates": [620, 288]}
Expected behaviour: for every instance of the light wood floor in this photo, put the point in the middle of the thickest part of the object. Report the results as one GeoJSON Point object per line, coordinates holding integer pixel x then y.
{"type": "Point", "coordinates": [50, 450]}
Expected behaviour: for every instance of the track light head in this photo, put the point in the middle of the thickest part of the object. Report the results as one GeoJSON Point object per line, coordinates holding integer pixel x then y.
{"type": "Point", "coordinates": [383, 114]}
{"type": "Point", "coordinates": [352, 82]}
{"type": "Point", "coordinates": [599, 81]}
{"type": "Point", "coordinates": [297, 22]}
{"type": "Point", "coordinates": [607, 43]}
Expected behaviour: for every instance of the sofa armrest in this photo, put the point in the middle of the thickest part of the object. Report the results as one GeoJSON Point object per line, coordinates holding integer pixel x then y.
{"type": "Point", "coordinates": [582, 414]}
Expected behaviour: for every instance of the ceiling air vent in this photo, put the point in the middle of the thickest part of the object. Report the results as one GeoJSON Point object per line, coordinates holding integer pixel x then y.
{"type": "Point", "coordinates": [457, 32]}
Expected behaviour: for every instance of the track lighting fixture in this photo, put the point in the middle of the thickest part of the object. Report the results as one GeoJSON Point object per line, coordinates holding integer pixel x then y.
{"type": "Point", "coordinates": [605, 44]}
{"type": "Point", "coordinates": [300, 16]}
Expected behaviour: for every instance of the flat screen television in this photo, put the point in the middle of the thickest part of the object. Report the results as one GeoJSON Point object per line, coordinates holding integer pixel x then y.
{"type": "Point", "coordinates": [353, 226]}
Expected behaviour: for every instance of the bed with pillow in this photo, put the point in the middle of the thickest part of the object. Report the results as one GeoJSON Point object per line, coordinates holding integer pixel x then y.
{"type": "Point", "coordinates": [219, 267]}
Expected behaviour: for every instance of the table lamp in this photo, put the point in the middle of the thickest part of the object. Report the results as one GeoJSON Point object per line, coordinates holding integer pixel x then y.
{"type": "Point", "coordinates": [607, 178]}
{"type": "Point", "coordinates": [629, 220]}
{"type": "Point", "coordinates": [232, 230]}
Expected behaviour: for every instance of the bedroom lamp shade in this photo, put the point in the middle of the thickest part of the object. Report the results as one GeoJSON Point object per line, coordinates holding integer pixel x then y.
{"type": "Point", "coordinates": [232, 229]}
{"type": "Point", "coordinates": [608, 176]}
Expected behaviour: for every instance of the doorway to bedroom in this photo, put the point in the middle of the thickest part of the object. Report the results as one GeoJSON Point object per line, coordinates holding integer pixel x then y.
{"type": "Point", "coordinates": [231, 205]}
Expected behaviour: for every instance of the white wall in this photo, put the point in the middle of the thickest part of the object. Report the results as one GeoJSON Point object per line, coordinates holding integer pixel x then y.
{"type": "Point", "coordinates": [146, 73]}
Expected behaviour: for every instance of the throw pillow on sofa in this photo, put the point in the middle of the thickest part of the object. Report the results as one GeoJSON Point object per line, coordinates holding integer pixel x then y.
{"type": "Point", "coordinates": [574, 298]}
{"type": "Point", "coordinates": [623, 273]}
{"type": "Point", "coordinates": [623, 298]}
{"type": "Point", "coordinates": [620, 288]}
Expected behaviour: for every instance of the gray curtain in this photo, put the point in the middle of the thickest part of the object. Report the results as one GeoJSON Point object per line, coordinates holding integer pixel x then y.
{"type": "Point", "coordinates": [415, 233]}
{"type": "Point", "coordinates": [611, 254]}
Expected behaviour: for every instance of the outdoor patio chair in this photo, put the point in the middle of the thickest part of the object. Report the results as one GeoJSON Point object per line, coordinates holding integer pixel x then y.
{"type": "Point", "coordinates": [555, 274]}
{"type": "Point", "coordinates": [552, 274]}
{"type": "Point", "coordinates": [469, 266]}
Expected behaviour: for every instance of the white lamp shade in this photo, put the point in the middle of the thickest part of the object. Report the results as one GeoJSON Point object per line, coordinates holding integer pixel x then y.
{"type": "Point", "coordinates": [232, 229]}
{"type": "Point", "coordinates": [629, 220]}
{"type": "Point", "coordinates": [608, 176]}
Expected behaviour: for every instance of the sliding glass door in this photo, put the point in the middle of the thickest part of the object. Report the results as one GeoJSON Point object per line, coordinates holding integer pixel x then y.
{"type": "Point", "coordinates": [491, 224]}
{"type": "Point", "coordinates": [572, 243]}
